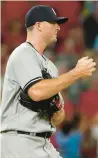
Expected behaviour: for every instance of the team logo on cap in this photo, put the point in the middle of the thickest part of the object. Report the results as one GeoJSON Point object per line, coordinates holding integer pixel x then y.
{"type": "Point", "coordinates": [53, 11]}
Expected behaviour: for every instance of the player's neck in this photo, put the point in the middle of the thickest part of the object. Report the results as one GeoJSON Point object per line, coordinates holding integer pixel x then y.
{"type": "Point", "coordinates": [38, 44]}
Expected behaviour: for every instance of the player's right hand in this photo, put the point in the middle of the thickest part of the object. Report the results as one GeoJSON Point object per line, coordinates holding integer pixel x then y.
{"type": "Point", "coordinates": [85, 67]}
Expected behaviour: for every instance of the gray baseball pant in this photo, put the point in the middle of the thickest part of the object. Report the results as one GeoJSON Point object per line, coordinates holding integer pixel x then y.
{"type": "Point", "coordinates": [25, 146]}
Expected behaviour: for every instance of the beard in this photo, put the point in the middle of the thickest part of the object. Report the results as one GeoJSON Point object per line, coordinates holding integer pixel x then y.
{"type": "Point", "coordinates": [52, 41]}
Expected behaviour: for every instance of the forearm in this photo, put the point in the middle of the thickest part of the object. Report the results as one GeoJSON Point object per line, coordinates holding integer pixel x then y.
{"type": "Point", "coordinates": [58, 117]}
{"type": "Point", "coordinates": [48, 87]}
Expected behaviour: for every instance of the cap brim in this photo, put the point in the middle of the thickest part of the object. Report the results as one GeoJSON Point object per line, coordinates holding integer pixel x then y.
{"type": "Point", "coordinates": [61, 20]}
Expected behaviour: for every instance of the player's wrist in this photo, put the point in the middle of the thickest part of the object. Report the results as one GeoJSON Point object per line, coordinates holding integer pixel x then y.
{"type": "Point", "coordinates": [75, 74]}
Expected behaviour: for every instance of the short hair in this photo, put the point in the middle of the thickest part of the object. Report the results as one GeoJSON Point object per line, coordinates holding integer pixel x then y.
{"type": "Point", "coordinates": [30, 28]}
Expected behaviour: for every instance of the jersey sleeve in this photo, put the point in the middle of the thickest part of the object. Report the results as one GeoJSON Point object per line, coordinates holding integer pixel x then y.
{"type": "Point", "coordinates": [27, 69]}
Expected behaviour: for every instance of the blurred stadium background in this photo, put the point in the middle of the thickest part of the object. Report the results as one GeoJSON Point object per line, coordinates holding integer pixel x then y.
{"type": "Point", "coordinates": [77, 38]}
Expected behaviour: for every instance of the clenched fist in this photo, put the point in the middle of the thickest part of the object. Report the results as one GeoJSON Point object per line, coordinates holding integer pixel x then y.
{"type": "Point", "coordinates": [85, 67]}
{"type": "Point", "coordinates": [58, 117]}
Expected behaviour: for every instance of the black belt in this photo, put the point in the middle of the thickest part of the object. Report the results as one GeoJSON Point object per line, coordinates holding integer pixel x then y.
{"type": "Point", "coordinates": [43, 134]}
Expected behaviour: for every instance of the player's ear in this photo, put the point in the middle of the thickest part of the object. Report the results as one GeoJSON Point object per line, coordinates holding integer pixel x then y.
{"type": "Point", "coordinates": [39, 26]}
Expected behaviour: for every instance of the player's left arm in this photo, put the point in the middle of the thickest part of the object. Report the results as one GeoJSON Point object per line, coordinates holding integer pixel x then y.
{"type": "Point", "coordinates": [58, 117]}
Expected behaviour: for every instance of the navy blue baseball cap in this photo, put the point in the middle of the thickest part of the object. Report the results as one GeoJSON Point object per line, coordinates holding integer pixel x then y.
{"type": "Point", "coordinates": [41, 13]}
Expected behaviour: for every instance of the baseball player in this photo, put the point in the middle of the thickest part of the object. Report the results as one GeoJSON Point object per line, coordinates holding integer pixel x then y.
{"type": "Point", "coordinates": [32, 105]}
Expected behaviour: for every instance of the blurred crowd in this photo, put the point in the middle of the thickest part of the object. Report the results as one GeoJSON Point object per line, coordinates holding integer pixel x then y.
{"type": "Point", "coordinates": [78, 135]}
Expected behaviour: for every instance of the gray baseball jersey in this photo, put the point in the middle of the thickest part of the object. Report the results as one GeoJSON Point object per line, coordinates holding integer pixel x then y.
{"type": "Point", "coordinates": [23, 69]}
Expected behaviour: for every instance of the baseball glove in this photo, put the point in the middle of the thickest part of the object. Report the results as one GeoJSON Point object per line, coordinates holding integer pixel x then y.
{"type": "Point", "coordinates": [47, 106]}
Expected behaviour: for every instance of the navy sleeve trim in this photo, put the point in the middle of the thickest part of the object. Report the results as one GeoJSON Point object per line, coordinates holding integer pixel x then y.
{"type": "Point", "coordinates": [31, 82]}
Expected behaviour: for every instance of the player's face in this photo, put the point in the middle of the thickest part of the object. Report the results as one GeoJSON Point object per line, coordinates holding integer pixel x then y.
{"type": "Point", "coordinates": [50, 31]}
